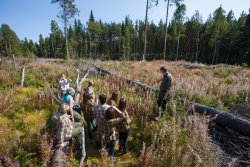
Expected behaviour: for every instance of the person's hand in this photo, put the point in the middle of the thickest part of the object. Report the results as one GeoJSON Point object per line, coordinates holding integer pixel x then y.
{"type": "Point", "coordinates": [61, 146]}
{"type": "Point", "coordinates": [165, 97]}
{"type": "Point", "coordinates": [160, 108]}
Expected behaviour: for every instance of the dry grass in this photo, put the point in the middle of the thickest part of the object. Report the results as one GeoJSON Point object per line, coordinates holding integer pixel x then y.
{"type": "Point", "coordinates": [177, 140]}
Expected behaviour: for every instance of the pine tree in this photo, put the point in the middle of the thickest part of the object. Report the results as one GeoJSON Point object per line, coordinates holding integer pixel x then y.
{"type": "Point", "coordinates": [68, 11]}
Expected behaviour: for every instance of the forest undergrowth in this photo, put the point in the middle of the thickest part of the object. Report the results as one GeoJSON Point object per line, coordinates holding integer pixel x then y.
{"type": "Point", "coordinates": [178, 139]}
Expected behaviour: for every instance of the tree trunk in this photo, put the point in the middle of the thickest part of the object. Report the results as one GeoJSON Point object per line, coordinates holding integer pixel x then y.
{"type": "Point", "coordinates": [197, 45]}
{"type": "Point", "coordinates": [83, 148]}
{"type": "Point", "coordinates": [166, 33]}
{"type": "Point", "coordinates": [145, 33]}
{"type": "Point", "coordinates": [65, 29]}
{"type": "Point", "coordinates": [79, 86]}
{"type": "Point", "coordinates": [215, 52]}
{"type": "Point", "coordinates": [59, 156]}
{"type": "Point", "coordinates": [224, 119]}
{"type": "Point", "coordinates": [90, 45]}
{"type": "Point", "coordinates": [22, 73]}
{"type": "Point", "coordinates": [177, 50]}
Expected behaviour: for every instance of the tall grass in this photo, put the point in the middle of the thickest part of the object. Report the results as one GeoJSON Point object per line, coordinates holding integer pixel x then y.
{"type": "Point", "coordinates": [177, 140]}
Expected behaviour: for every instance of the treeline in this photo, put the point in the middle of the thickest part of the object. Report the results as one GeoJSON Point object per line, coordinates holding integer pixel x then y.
{"type": "Point", "coordinates": [220, 39]}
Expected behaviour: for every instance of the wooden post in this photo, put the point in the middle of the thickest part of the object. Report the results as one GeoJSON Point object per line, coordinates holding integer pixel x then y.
{"type": "Point", "coordinates": [14, 60]}
{"type": "Point", "coordinates": [22, 76]}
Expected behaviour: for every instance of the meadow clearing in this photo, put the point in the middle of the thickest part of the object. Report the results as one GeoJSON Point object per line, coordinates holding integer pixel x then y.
{"type": "Point", "coordinates": [178, 139]}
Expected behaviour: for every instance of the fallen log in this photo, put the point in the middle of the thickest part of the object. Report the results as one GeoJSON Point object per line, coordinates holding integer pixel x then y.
{"type": "Point", "coordinates": [223, 119]}
{"type": "Point", "coordinates": [60, 157]}
{"type": "Point", "coordinates": [129, 81]}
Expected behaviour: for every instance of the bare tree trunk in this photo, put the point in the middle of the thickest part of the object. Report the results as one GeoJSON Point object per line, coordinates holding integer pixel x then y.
{"type": "Point", "coordinates": [65, 29]}
{"type": "Point", "coordinates": [197, 45]}
{"type": "Point", "coordinates": [90, 45]}
{"type": "Point", "coordinates": [215, 52]}
{"type": "Point", "coordinates": [14, 60]}
{"type": "Point", "coordinates": [79, 85]}
{"type": "Point", "coordinates": [177, 50]}
{"type": "Point", "coordinates": [145, 33]}
{"type": "Point", "coordinates": [166, 33]}
{"type": "Point", "coordinates": [22, 76]}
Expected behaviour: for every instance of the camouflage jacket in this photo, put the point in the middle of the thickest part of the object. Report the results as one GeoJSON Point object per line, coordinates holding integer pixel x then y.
{"type": "Point", "coordinates": [64, 129]}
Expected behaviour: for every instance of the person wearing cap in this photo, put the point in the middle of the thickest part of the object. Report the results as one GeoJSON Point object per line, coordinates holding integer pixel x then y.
{"type": "Point", "coordinates": [165, 88]}
{"type": "Point", "coordinates": [64, 84]}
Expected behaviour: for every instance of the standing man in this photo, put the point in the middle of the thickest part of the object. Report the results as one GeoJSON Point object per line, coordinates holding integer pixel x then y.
{"type": "Point", "coordinates": [98, 115]}
{"type": "Point", "coordinates": [165, 87]}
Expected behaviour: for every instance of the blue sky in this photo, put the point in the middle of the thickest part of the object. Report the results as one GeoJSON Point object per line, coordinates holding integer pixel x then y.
{"type": "Point", "coordinates": [29, 18]}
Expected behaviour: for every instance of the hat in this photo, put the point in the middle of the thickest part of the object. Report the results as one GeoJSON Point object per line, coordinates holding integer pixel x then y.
{"type": "Point", "coordinates": [71, 90]}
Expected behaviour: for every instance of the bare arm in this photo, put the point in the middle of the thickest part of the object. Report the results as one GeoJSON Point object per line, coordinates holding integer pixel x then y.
{"type": "Point", "coordinates": [71, 108]}
{"type": "Point", "coordinates": [128, 120]}
{"type": "Point", "coordinates": [119, 112]}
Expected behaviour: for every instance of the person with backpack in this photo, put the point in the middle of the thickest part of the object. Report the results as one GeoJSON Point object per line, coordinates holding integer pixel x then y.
{"type": "Point", "coordinates": [165, 88]}
{"type": "Point", "coordinates": [107, 129]}
{"type": "Point", "coordinates": [68, 99]}
{"type": "Point", "coordinates": [123, 126]}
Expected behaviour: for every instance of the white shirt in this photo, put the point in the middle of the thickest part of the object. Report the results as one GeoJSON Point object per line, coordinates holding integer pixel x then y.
{"type": "Point", "coordinates": [64, 84]}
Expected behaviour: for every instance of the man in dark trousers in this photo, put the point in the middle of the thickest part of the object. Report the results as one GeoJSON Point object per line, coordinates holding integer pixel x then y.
{"type": "Point", "coordinates": [165, 87]}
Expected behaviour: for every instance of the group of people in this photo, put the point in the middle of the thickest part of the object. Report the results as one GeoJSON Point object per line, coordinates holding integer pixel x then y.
{"type": "Point", "coordinates": [104, 116]}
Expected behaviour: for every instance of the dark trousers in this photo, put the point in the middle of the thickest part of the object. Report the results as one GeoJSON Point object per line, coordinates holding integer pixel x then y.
{"type": "Point", "coordinates": [123, 137]}
{"type": "Point", "coordinates": [90, 122]}
{"type": "Point", "coordinates": [110, 147]}
{"type": "Point", "coordinates": [162, 103]}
